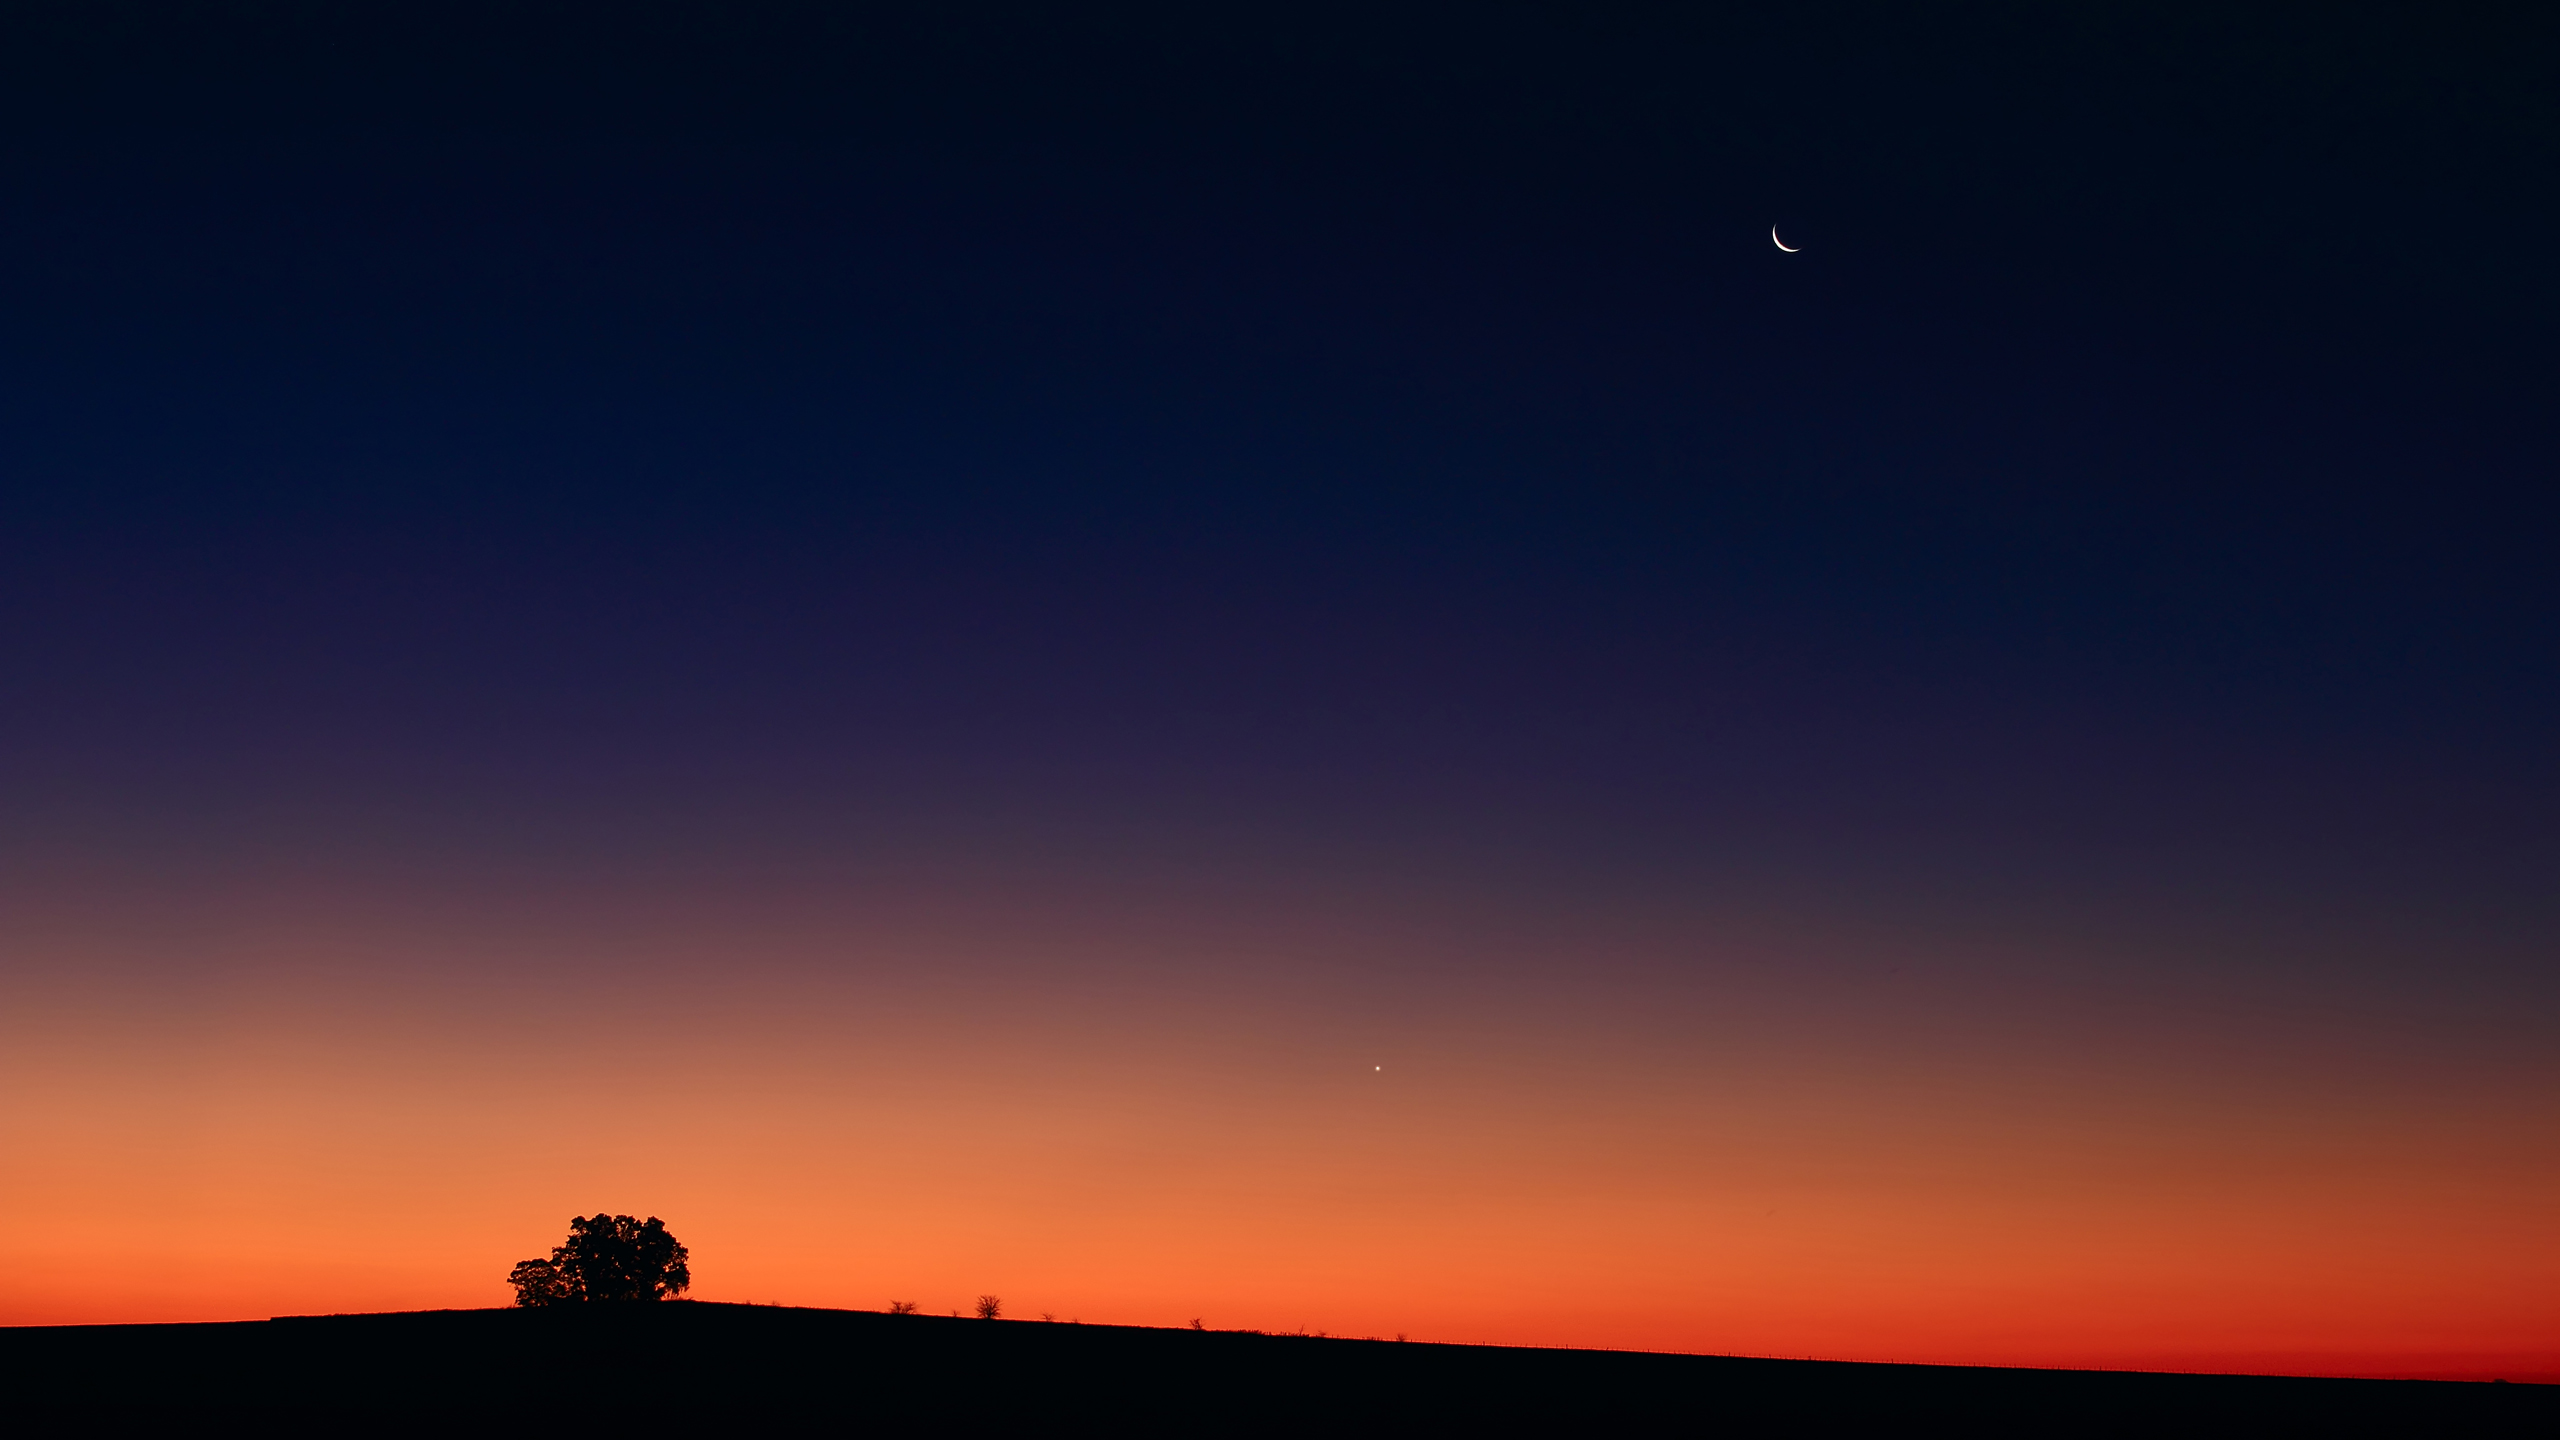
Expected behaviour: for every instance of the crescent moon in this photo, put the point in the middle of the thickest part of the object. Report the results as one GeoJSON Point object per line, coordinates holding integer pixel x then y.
{"type": "Point", "coordinates": [1781, 244]}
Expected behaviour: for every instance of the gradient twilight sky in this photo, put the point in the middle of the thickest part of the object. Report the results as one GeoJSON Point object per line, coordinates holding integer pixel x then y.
{"type": "Point", "coordinates": [1275, 668]}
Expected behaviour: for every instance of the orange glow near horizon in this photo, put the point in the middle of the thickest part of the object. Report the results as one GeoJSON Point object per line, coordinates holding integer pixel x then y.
{"type": "Point", "coordinates": [1691, 1166]}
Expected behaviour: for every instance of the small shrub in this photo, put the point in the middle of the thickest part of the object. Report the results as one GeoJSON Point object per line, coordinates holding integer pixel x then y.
{"type": "Point", "coordinates": [902, 1307]}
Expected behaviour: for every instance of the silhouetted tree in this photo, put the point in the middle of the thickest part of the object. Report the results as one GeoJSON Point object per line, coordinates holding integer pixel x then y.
{"type": "Point", "coordinates": [606, 1258]}
{"type": "Point", "coordinates": [989, 1307]}
{"type": "Point", "coordinates": [540, 1282]}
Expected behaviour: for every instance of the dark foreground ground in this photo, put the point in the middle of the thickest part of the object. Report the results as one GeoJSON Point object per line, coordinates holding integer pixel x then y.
{"type": "Point", "coordinates": [747, 1369]}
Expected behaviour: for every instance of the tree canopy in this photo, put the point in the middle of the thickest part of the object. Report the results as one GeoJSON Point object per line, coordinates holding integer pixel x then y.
{"type": "Point", "coordinates": [606, 1258]}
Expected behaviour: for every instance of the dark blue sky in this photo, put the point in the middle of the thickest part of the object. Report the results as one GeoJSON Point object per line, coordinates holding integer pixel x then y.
{"type": "Point", "coordinates": [1312, 423]}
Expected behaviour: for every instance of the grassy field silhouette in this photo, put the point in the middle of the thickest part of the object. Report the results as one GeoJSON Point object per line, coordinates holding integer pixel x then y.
{"type": "Point", "coordinates": [685, 1365]}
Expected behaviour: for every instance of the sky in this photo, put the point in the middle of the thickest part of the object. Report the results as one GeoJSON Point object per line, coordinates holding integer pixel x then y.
{"type": "Point", "coordinates": [1269, 664]}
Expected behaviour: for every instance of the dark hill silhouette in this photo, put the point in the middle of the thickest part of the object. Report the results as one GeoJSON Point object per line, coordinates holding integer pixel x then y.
{"type": "Point", "coordinates": [686, 1366]}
